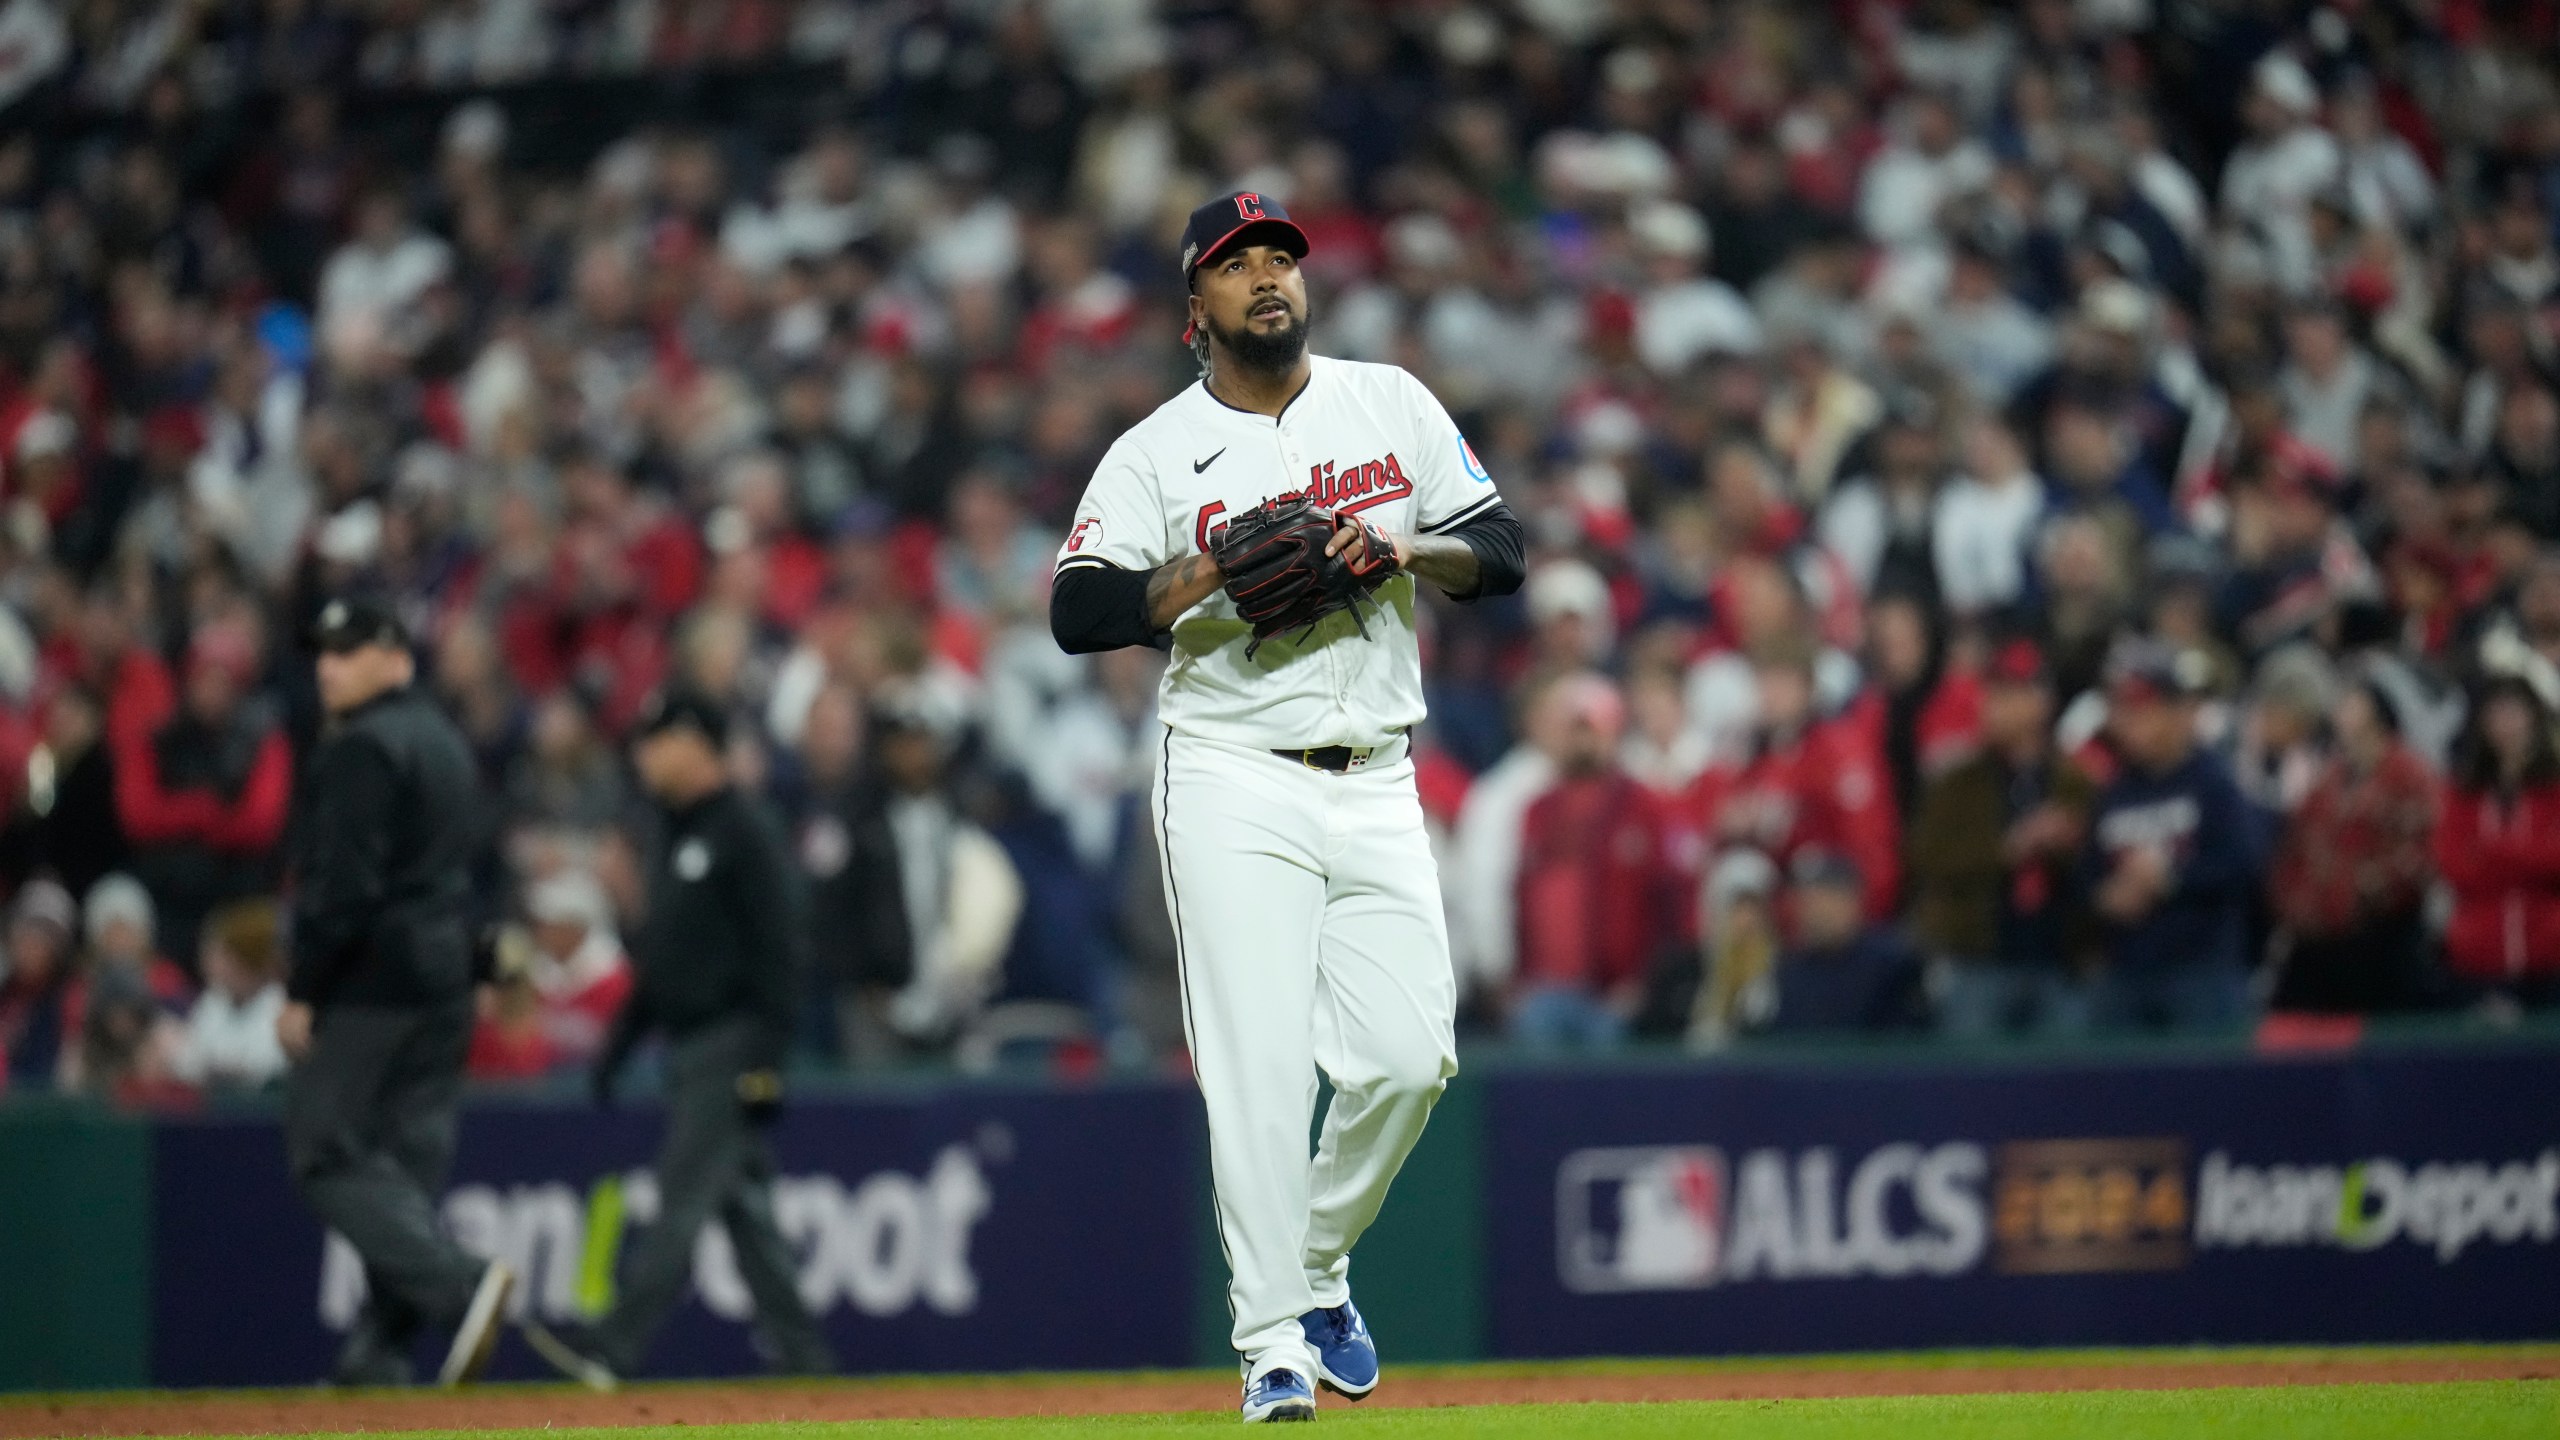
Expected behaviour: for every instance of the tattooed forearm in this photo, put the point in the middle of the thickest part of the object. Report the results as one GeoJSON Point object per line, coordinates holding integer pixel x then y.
{"type": "Point", "coordinates": [1176, 587]}
{"type": "Point", "coordinates": [1445, 561]}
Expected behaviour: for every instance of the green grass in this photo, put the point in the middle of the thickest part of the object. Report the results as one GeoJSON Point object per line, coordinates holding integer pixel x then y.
{"type": "Point", "coordinates": [2490, 1410]}
{"type": "Point", "coordinates": [2460, 1410]}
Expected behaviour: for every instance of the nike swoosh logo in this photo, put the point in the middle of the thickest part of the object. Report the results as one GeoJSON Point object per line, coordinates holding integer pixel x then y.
{"type": "Point", "coordinates": [1201, 467]}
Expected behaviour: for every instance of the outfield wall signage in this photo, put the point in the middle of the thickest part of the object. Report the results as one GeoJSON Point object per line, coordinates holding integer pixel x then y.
{"type": "Point", "coordinates": [973, 1230]}
{"type": "Point", "coordinates": [1777, 1208]}
{"type": "Point", "coordinates": [1744, 1207]}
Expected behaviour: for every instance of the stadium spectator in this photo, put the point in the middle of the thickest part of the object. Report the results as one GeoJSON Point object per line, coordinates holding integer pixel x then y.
{"type": "Point", "coordinates": [230, 1039]}
{"type": "Point", "coordinates": [1986, 521]}
{"type": "Point", "coordinates": [1485, 945]}
{"type": "Point", "coordinates": [118, 923]}
{"type": "Point", "coordinates": [577, 972]}
{"type": "Point", "coordinates": [2084, 602]}
{"type": "Point", "coordinates": [2497, 844]}
{"type": "Point", "coordinates": [859, 947]}
{"type": "Point", "coordinates": [2351, 870]}
{"type": "Point", "coordinates": [1994, 856]}
{"type": "Point", "coordinates": [1842, 974]}
{"type": "Point", "coordinates": [1808, 784]}
{"type": "Point", "coordinates": [962, 893]}
{"type": "Point", "coordinates": [788, 394]}
{"type": "Point", "coordinates": [2174, 857]}
{"type": "Point", "coordinates": [38, 1031]}
{"type": "Point", "coordinates": [1598, 894]}
{"type": "Point", "coordinates": [1663, 751]}
{"type": "Point", "coordinates": [1738, 951]}
{"type": "Point", "coordinates": [126, 1001]}
{"type": "Point", "coordinates": [508, 1039]}
{"type": "Point", "coordinates": [68, 826]}
{"type": "Point", "coordinates": [1922, 703]}
{"type": "Point", "coordinates": [566, 777]}
{"type": "Point", "coordinates": [202, 797]}
{"type": "Point", "coordinates": [2283, 740]}
{"type": "Point", "coordinates": [1882, 524]}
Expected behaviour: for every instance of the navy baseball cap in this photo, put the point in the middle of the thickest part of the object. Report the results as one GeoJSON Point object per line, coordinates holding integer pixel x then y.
{"type": "Point", "coordinates": [1240, 217]}
{"type": "Point", "coordinates": [1226, 220]}
{"type": "Point", "coordinates": [2142, 669]}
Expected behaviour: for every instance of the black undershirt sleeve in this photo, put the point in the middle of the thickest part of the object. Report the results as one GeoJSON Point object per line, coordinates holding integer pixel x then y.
{"type": "Point", "coordinates": [1101, 607]}
{"type": "Point", "coordinates": [1501, 548]}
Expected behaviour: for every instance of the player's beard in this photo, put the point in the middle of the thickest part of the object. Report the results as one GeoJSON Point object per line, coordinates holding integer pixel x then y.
{"type": "Point", "coordinates": [1272, 352]}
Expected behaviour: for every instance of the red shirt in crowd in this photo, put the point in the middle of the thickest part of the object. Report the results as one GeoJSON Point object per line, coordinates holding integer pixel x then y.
{"type": "Point", "coordinates": [1826, 789]}
{"type": "Point", "coordinates": [606, 614]}
{"type": "Point", "coordinates": [563, 1022]}
{"type": "Point", "coordinates": [2356, 848]}
{"type": "Point", "coordinates": [153, 811]}
{"type": "Point", "coordinates": [1597, 888]}
{"type": "Point", "coordinates": [2501, 856]}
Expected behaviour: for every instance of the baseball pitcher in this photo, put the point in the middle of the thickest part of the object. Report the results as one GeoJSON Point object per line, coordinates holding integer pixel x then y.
{"type": "Point", "coordinates": [1268, 525]}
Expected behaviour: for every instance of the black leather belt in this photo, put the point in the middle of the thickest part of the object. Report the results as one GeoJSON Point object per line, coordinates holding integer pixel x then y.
{"type": "Point", "coordinates": [1341, 759]}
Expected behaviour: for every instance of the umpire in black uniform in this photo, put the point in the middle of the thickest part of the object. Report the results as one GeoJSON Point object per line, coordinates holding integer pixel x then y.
{"type": "Point", "coordinates": [718, 949]}
{"type": "Point", "coordinates": [378, 1017]}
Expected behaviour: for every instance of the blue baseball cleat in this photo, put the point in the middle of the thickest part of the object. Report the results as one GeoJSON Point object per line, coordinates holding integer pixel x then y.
{"type": "Point", "coordinates": [1279, 1395]}
{"type": "Point", "coordinates": [1346, 1358]}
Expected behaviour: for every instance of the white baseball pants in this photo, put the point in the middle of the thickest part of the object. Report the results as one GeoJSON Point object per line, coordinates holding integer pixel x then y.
{"type": "Point", "coordinates": [1307, 911]}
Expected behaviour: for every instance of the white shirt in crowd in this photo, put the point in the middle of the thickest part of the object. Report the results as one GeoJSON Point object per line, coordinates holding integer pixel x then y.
{"type": "Point", "coordinates": [1862, 518]}
{"type": "Point", "coordinates": [1996, 345]}
{"type": "Point", "coordinates": [1981, 539]}
{"type": "Point", "coordinates": [361, 281]}
{"type": "Point", "coordinates": [2272, 183]}
{"type": "Point", "coordinates": [963, 899]}
{"type": "Point", "coordinates": [1484, 939]}
{"type": "Point", "coordinates": [231, 1042]}
{"type": "Point", "coordinates": [1905, 188]}
{"type": "Point", "coordinates": [1678, 324]}
{"type": "Point", "coordinates": [2324, 412]}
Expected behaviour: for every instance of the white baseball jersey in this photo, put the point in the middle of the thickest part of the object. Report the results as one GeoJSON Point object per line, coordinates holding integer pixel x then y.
{"type": "Point", "coordinates": [1365, 439]}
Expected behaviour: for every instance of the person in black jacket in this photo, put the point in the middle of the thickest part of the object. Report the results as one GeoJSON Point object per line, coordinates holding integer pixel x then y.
{"type": "Point", "coordinates": [859, 948]}
{"type": "Point", "coordinates": [718, 950]}
{"type": "Point", "coordinates": [378, 1013]}
{"type": "Point", "coordinates": [1842, 975]}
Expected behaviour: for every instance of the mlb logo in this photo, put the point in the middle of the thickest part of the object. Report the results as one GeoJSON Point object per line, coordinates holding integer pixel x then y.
{"type": "Point", "coordinates": [1645, 1217]}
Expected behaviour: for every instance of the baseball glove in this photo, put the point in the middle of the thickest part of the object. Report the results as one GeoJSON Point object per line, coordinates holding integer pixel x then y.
{"type": "Point", "coordinates": [1273, 562]}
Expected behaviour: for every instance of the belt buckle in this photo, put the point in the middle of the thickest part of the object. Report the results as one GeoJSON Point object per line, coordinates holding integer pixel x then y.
{"type": "Point", "coordinates": [1307, 757]}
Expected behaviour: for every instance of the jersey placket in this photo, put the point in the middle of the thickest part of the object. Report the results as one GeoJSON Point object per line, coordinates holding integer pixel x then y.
{"type": "Point", "coordinates": [1336, 675]}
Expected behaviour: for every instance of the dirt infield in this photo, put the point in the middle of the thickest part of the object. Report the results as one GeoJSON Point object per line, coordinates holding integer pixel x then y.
{"type": "Point", "coordinates": [533, 1407]}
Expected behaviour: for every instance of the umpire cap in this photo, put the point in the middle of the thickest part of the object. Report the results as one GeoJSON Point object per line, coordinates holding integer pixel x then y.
{"type": "Point", "coordinates": [352, 622]}
{"type": "Point", "coordinates": [684, 709]}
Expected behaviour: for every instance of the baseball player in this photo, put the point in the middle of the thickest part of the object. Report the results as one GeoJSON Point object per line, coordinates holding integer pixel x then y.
{"type": "Point", "coordinates": [1268, 525]}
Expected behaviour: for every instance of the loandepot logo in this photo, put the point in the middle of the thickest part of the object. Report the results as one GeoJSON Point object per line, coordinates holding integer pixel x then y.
{"type": "Point", "coordinates": [880, 1246]}
{"type": "Point", "coordinates": [1676, 1217]}
{"type": "Point", "coordinates": [2371, 1203]}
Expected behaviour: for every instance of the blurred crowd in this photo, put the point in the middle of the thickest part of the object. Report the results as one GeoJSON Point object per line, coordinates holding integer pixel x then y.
{"type": "Point", "coordinates": [2045, 518]}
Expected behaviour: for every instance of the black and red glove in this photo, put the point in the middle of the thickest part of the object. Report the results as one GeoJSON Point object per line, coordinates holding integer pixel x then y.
{"type": "Point", "coordinates": [1273, 561]}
